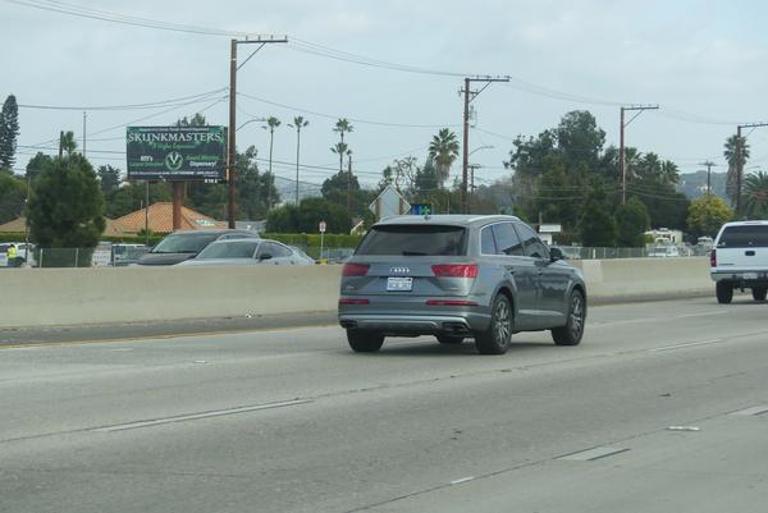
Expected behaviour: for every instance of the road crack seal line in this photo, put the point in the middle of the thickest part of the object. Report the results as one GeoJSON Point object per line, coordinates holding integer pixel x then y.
{"type": "Point", "coordinates": [165, 420]}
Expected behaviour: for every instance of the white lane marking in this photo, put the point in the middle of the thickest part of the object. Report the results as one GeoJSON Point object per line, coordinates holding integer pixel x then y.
{"type": "Point", "coordinates": [593, 454]}
{"type": "Point", "coordinates": [684, 428]}
{"type": "Point", "coordinates": [755, 410]}
{"type": "Point", "coordinates": [196, 416]}
{"type": "Point", "coordinates": [462, 480]}
{"type": "Point", "coordinates": [685, 345]}
{"type": "Point", "coordinates": [598, 324]}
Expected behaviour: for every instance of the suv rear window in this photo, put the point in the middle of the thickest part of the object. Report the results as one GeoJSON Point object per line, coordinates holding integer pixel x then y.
{"type": "Point", "coordinates": [754, 236]}
{"type": "Point", "coordinates": [414, 240]}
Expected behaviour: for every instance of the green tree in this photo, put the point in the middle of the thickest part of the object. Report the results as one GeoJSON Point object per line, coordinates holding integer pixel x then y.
{"type": "Point", "coordinates": [13, 192]}
{"type": "Point", "coordinates": [196, 120]}
{"type": "Point", "coordinates": [580, 139]}
{"type": "Point", "coordinates": [334, 190]}
{"type": "Point", "coordinates": [66, 208]}
{"type": "Point", "coordinates": [425, 181]}
{"type": "Point", "coordinates": [109, 179]}
{"type": "Point", "coordinates": [731, 154]}
{"type": "Point", "coordinates": [443, 151]}
{"type": "Point", "coordinates": [9, 132]}
{"type": "Point", "coordinates": [306, 217]}
{"type": "Point", "coordinates": [132, 196]}
{"type": "Point", "coordinates": [254, 189]}
{"type": "Point", "coordinates": [707, 214]}
{"type": "Point", "coordinates": [38, 164]}
{"type": "Point", "coordinates": [756, 196]}
{"type": "Point", "coordinates": [597, 225]}
{"type": "Point", "coordinates": [632, 221]}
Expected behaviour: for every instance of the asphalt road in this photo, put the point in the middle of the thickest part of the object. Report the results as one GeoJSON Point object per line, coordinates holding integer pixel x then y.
{"type": "Point", "coordinates": [291, 420]}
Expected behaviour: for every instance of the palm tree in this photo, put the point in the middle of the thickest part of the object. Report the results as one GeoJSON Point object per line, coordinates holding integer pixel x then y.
{"type": "Point", "coordinates": [272, 124]}
{"type": "Point", "coordinates": [443, 150]}
{"type": "Point", "coordinates": [340, 149]}
{"type": "Point", "coordinates": [68, 143]}
{"type": "Point", "coordinates": [670, 173]}
{"type": "Point", "coordinates": [729, 152]}
{"type": "Point", "coordinates": [342, 126]}
{"type": "Point", "coordinates": [298, 123]}
{"type": "Point", "coordinates": [756, 195]}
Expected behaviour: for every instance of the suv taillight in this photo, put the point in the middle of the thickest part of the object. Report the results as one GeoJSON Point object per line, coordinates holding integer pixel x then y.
{"type": "Point", "coordinates": [713, 258]}
{"type": "Point", "coordinates": [351, 269]}
{"type": "Point", "coordinates": [455, 270]}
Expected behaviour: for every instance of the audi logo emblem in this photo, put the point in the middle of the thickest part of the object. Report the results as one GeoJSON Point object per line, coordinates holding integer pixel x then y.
{"type": "Point", "coordinates": [399, 270]}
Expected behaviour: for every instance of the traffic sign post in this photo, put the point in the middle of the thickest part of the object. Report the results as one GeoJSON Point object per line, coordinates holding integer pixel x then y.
{"type": "Point", "coordinates": [322, 228]}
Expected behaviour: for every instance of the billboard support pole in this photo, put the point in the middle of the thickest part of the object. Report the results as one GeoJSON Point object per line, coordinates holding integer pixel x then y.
{"type": "Point", "coordinates": [178, 193]}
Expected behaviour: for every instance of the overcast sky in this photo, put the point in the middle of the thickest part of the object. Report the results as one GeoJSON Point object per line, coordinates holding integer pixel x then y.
{"type": "Point", "coordinates": [703, 62]}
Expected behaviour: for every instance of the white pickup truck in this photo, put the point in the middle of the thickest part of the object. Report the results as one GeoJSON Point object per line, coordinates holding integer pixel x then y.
{"type": "Point", "coordinates": [739, 260]}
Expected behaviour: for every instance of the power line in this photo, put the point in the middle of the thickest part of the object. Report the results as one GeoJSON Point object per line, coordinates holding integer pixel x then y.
{"type": "Point", "coordinates": [114, 17]}
{"type": "Point", "coordinates": [136, 106]}
{"type": "Point", "coordinates": [332, 116]}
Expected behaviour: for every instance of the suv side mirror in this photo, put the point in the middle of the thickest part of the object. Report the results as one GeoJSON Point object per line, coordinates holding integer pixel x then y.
{"type": "Point", "coordinates": [556, 254]}
{"type": "Point", "coordinates": [265, 256]}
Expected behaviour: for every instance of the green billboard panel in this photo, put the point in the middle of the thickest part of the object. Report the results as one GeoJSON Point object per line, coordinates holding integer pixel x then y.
{"type": "Point", "coordinates": [176, 153]}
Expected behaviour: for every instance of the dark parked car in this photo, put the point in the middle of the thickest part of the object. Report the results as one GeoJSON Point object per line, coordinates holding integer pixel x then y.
{"type": "Point", "coordinates": [180, 246]}
{"type": "Point", "coordinates": [457, 277]}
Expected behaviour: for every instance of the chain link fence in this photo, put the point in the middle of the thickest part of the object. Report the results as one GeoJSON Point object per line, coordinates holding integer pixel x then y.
{"type": "Point", "coordinates": [121, 255]}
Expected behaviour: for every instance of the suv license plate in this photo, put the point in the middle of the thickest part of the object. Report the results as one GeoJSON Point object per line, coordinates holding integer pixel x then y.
{"type": "Point", "coordinates": [749, 276]}
{"type": "Point", "coordinates": [397, 284]}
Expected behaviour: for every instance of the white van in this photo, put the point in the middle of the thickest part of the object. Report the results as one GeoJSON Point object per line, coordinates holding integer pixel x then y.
{"type": "Point", "coordinates": [739, 260]}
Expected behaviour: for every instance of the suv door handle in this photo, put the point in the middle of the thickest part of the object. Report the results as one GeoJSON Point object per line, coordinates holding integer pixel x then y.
{"type": "Point", "coordinates": [749, 253]}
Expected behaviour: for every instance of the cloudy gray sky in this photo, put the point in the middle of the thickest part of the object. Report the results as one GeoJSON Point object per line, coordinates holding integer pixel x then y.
{"type": "Point", "coordinates": [702, 61]}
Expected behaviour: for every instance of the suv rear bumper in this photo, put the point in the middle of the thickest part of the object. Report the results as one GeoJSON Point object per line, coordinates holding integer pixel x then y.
{"type": "Point", "coordinates": [452, 323]}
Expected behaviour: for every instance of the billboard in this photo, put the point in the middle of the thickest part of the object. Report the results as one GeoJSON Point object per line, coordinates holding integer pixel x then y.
{"type": "Point", "coordinates": [174, 153]}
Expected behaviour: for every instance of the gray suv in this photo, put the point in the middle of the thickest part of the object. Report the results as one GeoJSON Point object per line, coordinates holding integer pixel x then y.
{"type": "Point", "coordinates": [458, 277]}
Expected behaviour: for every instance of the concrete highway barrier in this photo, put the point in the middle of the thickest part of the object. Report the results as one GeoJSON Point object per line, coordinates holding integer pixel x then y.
{"type": "Point", "coordinates": [635, 279]}
{"type": "Point", "coordinates": [50, 297]}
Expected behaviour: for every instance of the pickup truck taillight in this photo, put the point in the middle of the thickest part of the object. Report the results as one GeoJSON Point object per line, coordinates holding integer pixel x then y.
{"type": "Point", "coordinates": [713, 258]}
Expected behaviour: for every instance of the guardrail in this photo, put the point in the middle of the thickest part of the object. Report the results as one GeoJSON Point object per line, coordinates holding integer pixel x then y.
{"type": "Point", "coordinates": [45, 297]}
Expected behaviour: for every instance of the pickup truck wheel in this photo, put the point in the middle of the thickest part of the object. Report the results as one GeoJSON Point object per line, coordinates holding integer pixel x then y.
{"type": "Point", "coordinates": [364, 341]}
{"type": "Point", "coordinates": [759, 293]}
{"type": "Point", "coordinates": [724, 291]}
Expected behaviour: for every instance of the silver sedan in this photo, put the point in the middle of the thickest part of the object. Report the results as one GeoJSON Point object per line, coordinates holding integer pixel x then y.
{"type": "Point", "coordinates": [248, 252]}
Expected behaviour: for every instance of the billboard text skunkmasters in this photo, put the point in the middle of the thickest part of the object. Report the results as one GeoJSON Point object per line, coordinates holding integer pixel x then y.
{"type": "Point", "coordinates": [176, 153]}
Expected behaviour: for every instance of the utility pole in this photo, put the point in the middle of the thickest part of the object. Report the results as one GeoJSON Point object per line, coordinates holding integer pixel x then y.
{"type": "Point", "coordinates": [85, 133]}
{"type": "Point", "coordinates": [469, 97]}
{"type": "Point", "coordinates": [231, 132]}
{"type": "Point", "coordinates": [622, 153]}
{"type": "Point", "coordinates": [349, 181]}
{"type": "Point", "coordinates": [472, 168]}
{"type": "Point", "coordinates": [61, 144]}
{"type": "Point", "coordinates": [709, 165]}
{"type": "Point", "coordinates": [740, 161]}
